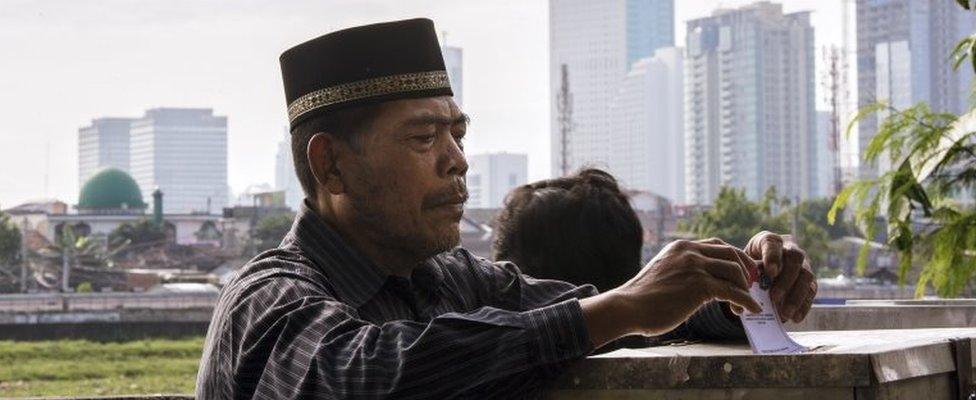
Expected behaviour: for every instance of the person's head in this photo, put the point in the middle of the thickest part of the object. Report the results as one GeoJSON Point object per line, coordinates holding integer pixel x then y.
{"type": "Point", "coordinates": [580, 229]}
{"type": "Point", "coordinates": [376, 138]}
{"type": "Point", "coordinates": [393, 170]}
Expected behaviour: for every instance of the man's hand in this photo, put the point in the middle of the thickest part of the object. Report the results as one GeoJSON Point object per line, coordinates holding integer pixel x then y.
{"type": "Point", "coordinates": [794, 285]}
{"type": "Point", "coordinates": [669, 289]}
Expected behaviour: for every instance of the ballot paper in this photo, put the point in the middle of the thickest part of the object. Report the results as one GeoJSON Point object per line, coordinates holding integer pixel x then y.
{"type": "Point", "coordinates": [765, 331]}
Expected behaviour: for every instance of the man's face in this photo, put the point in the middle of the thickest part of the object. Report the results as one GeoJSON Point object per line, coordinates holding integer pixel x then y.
{"type": "Point", "coordinates": [406, 184]}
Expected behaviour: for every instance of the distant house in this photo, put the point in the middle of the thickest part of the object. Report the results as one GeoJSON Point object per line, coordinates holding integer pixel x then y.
{"type": "Point", "coordinates": [882, 262]}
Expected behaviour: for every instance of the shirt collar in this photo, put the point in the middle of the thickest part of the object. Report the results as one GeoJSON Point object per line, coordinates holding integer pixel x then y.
{"type": "Point", "coordinates": [355, 278]}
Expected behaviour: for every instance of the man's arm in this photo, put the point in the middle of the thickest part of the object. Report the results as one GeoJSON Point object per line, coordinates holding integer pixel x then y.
{"type": "Point", "coordinates": [712, 320]}
{"type": "Point", "coordinates": [298, 342]}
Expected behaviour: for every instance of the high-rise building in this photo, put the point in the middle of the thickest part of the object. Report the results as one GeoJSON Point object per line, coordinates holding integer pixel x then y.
{"type": "Point", "coordinates": [750, 120]}
{"type": "Point", "coordinates": [647, 125]}
{"type": "Point", "coordinates": [104, 143]}
{"type": "Point", "coordinates": [285, 177]}
{"type": "Point", "coordinates": [591, 47]}
{"type": "Point", "coordinates": [183, 152]}
{"type": "Point", "coordinates": [453, 58]}
{"type": "Point", "coordinates": [902, 52]}
{"type": "Point", "coordinates": [492, 175]}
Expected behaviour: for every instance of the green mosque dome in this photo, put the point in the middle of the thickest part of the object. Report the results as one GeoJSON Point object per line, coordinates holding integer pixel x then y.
{"type": "Point", "coordinates": [110, 189]}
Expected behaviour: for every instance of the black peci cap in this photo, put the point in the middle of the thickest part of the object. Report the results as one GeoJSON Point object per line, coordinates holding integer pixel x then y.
{"type": "Point", "coordinates": [363, 65]}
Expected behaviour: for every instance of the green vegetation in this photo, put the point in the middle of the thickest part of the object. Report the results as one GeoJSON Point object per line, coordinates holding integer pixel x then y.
{"type": "Point", "coordinates": [79, 367]}
{"type": "Point", "coordinates": [924, 194]}
{"type": "Point", "coordinates": [138, 234]}
{"type": "Point", "coordinates": [735, 219]}
{"type": "Point", "coordinates": [9, 253]}
{"type": "Point", "coordinates": [270, 230]}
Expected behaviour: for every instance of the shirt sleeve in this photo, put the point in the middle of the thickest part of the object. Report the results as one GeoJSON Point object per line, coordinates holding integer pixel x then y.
{"type": "Point", "coordinates": [296, 341]}
{"type": "Point", "coordinates": [713, 321]}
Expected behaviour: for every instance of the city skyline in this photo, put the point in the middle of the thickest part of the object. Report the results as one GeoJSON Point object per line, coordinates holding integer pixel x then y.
{"type": "Point", "coordinates": [750, 118]}
{"type": "Point", "coordinates": [117, 59]}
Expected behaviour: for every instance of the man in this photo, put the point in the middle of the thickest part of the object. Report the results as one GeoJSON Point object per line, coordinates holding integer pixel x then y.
{"type": "Point", "coordinates": [365, 296]}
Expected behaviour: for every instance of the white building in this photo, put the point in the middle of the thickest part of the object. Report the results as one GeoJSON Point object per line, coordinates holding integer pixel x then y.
{"type": "Point", "coordinates": [591, 46]}
{"type": "Point", "coordinates": [903, 49]}
{"type": "Point", "coordinates": [750, 120]}
{"type": "Point", "coordinates": [103, 144]}
{"type": "Point", "coordinates": [491, 176]}
{"type": "Point", "coordinates": [647, 125]}
{"type": "Point", "coordinates": [183, 152]}
{"type": "Point", "coordinates": [453, 61]}
{"type": "Point", "coordinates": [286, 179]}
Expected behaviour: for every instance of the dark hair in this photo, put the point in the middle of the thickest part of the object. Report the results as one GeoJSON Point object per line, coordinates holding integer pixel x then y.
{"type": "Point", "coordinates": [346, 124]}
{"type": "Point", "coordinates": [579, 229]}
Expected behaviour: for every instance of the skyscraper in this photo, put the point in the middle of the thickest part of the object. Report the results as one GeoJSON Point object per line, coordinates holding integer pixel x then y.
{"type": "Point", "coordinates": [492, 175]}
{"type": "Point", "coordinates": [453, 61]}
{"type": "Point", "coordinates": [591, 47]}
{"type": "Point", "coordinates": [183, 152]}
{"type": "Point", "coordinates": [285, 177]}
{"type": "Point", "coordinates": [750, 121]}
{"type": "Point", "coordinates": [647, 125]}
{"type": "Point", "coordinates": [902, 52]}
{"type": "Point", "coordinates": [104, 143]}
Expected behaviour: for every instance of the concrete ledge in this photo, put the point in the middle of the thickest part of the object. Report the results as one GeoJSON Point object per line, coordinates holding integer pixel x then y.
{"type": "Point", "coordinates": [880, 364]}
{"type": "Point", "coordinates": [889, 314]}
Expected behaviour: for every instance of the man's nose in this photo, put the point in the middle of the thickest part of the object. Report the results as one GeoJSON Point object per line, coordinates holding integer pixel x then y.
{"type": "Point", "coordinates": [453, 161]}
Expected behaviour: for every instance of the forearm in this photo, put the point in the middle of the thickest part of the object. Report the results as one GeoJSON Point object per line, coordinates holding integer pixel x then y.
{"type": "Point", "coordinates": [605, 320]}
{"type": "Point", "coordinates": [443, 358]}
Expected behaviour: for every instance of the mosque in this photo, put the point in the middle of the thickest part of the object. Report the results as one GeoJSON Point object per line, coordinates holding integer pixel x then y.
{"type": "Point", "coordinates": [108, 200]}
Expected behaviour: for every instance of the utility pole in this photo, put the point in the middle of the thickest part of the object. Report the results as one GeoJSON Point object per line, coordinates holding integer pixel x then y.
{"type": "Point", "coordinates": [564, 106]}
{"type": "Point", "coordinates": [66, 249]}
{"type": "Point", "coordinates": [23, 255]}
{"type": "Point", "coordinates": [796, 219]}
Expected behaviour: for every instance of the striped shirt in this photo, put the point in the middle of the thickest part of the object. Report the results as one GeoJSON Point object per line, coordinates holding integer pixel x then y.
{"type": "Point", "coordinates": [315, 319]}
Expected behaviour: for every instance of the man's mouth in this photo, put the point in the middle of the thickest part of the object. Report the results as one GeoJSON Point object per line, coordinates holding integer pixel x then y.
{"type": "Point", "coordinates": [454, 197]}
{"type": "Point", "coordinates": [453, 202]}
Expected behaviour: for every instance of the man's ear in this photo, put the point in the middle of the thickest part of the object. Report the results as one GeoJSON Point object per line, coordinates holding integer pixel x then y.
{"type": "Point", "coordinates": [322, 153]}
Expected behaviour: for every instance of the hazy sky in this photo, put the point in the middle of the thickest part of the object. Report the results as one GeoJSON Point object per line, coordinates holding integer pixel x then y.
{"type": "Point", "coordinates": [65, 62]}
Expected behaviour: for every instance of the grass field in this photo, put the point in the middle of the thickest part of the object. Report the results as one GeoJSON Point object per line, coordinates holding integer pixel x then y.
{"type": "Point", "coordinates": [78, 367]}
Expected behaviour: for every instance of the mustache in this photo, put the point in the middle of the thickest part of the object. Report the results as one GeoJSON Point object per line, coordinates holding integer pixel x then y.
{"type": "Point", "coordinates": [455, 193]}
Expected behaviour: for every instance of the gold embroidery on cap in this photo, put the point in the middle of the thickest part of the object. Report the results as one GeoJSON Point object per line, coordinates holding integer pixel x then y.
{"type": "Point", "coordinates": [367, 88]}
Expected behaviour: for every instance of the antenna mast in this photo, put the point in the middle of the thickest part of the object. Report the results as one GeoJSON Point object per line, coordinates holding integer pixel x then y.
{"type": "Point", "coordinates": [833, 84]}
{"type": "Point", "coordinates": [564, 106]}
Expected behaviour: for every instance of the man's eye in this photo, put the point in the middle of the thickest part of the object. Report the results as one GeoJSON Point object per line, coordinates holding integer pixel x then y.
{"type": "Point", "coordinates": [426, 139]}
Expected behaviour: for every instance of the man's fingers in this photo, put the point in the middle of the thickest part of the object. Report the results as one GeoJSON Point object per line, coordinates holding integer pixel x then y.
{"type": "Point", "coordinates": [730, 253]}
{"type": "Point", "coordinates": [792, 264]}
{"type": "Point", "coordinates": [802, 312]}
{"type": "Point", "coordinates": [723, 290]}
{"type": "Point", "coordinates": [770, 249]}
{"type": "Point", "coordinates": [798, 295]}
{"type": "Point", "coordinates": [729, 271]}
{"type": "Point", "coordinates": [713, 240]}
{"type": "Point", "coordinates": [725, 252]}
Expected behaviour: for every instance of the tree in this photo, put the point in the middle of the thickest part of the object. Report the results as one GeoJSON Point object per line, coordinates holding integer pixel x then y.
{"type": "Point", "coordinates": [142, 233]}
{"type": "Point", "coordinates": [270, 230]}
{"type": "Point", "coordinates": [735, 219]}
{"type": "Point", "coordinates": [923, 196]}
{"type": "Point", "coordinates": [9, 251]}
